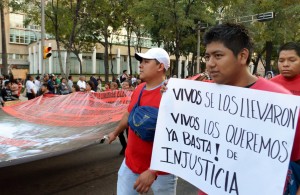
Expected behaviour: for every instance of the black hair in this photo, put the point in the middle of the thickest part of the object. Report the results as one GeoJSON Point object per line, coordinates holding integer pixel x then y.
{"type": "Point", "coordinates": [6, 83]}
{"type": "Point", "coordinates": [76, 87]}
{"type": "Point", "coordinates": [46, 85]}
{"type": "Point", "coordinates": [124, 71]}
{"type": "Point", "coordinates": [69, 77]}
{"type": "Point", "coordinates": [37, 77]}
{"type": "Point", "coordinates": [234, 36]}
{"type": "Point", "coordinates": [291, 46]}
{"type": "Point", "coordinates": [91, 83]}
{"type": "Point", "coordinates": [129, 82]}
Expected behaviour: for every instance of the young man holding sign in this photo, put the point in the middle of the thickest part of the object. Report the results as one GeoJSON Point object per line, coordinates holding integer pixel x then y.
{"type": "Point", "coordinates": [134, 175]}
{"type": "Point", "coordinates": [228, 54]}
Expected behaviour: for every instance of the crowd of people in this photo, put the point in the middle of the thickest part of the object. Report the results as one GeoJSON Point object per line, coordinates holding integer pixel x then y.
{"type": "Point", "coordinates": [11, 88]}
{"type": "Point", "coordinates": [228, 53]}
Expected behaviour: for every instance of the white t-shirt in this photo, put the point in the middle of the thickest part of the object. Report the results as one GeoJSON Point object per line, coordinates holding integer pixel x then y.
{"type": "Point", "coordinates": [81, 84]}
{"type": "Point", "coordinates": [30, 85]}
{"type": "Point", "coordinates": [70, 83]}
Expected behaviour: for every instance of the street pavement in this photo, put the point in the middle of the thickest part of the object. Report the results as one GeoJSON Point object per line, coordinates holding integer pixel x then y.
{"type": "Point", "coordinates": [92, 170]}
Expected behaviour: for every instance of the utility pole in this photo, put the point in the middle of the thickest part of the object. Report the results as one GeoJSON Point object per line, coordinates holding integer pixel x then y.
{"type": "Point", "coordinates": [43, 71]}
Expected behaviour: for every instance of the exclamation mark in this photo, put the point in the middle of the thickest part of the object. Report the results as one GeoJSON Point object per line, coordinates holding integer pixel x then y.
{"type": "Point", "coordinates": [217, 150]}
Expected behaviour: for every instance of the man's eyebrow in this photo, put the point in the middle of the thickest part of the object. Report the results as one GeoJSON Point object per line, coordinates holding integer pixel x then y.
{"type": "Point", "coordinates": [213, 52]}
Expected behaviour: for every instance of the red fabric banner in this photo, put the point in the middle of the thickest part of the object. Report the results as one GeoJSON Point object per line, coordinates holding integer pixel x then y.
{"type": "Point", "coordinates": [73, 110]}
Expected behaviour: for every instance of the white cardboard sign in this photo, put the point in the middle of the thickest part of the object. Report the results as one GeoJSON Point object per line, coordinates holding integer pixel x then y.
{"type": "Point", "coordinates": [224, 139]}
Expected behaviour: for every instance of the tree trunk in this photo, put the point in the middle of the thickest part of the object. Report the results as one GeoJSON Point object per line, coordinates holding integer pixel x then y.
{"type": "Point", "coordinates": [3, 40]}
{"type": "Point", "coordinates": [111, 61]}
{"type": "Point", "coordinates": [128, 46]}
{"type": "Point", "coordinates": [106, 66]}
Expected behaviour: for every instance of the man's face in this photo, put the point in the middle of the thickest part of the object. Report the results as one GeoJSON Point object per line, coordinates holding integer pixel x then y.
{"type": "Point", "coordinates": [289, 63]}
{"type": "Point", "coordinates": [43, 88]}
{"type": "Point", "coordinates": [148, 69]}
{"type": "Point", "coordinates": [222, 65]}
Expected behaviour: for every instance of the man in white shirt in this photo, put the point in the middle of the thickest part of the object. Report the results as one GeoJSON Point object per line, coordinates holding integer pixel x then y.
{"type": "Point", "coordinates": [81, 83]}
{"type": "Point", "coordinates": [30, 88]}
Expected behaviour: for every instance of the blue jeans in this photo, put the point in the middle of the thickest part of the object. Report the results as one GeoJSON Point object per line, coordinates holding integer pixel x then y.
{"type": "Point", "coordinates": [163, 185]}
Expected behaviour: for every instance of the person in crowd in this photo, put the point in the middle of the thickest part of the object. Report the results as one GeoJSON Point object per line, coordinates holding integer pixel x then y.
{"type": "Point", "coordinates": [134, 175]}
{"type": "Point", "coordinates": [64, 87]}
{"type": "Point", "coordinates": [133, 80]}
{"type": "Point", "coordinates": [15, 89]}
{"type": "Point", "coordinates": [53, 86]}
{"type": "Point", "coordinates": [5, 78]}
{"type": "Point", "coordinates": [89, 86]}
{"type": "Point", "coordinates": [126, 85]}
{"type": "Point", "coordinates": [46, 78]}
{"type": "Point", "coordinates": [20, 86]}
{"type": "Point", "coordinates": [70, 83]}
{"type": "Point", "coordinates": [81, 83]}
{"type": "Point", "coordinates": [6, 92]}
{"type": "Point", "coordinates": [99, 85]}
{"type": "Point", "coordinates": [45, 89]}
{"type": "Point", "coordinates": [269, 75]}
{"type": "Point", "coordinates": [75, 88]}
{"type": "Point", "coordinates": [114, 86]}
{"type": "Point", "coordinates": [94, 80]}
{"type": "Point", "coordinates": [124, 76]}
{"type": "Point", "coordinates": [114, 79]}
{"type": "Point", "coordinates": [58, 80]}
{"type": "Point", "coordinates": [107, 86]}
{"type": "Point", "coordinates": [30, 88]}
{"type": "Point", "coordinates": [227, 56]}
{"type": "Point", "coordinates": [289, 67]}
{"type": "Point", "coordinates": [37, 84]}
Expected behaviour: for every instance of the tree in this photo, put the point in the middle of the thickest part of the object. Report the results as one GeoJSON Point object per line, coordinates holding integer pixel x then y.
{"type": "Point", "coordinates": [105, 18]}
{"type": "Point", "coordinates": [66, 21]}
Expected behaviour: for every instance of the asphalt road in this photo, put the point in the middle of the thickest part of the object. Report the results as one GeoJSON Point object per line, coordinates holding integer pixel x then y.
{"type": "Point", "coordinates": [92, 170]}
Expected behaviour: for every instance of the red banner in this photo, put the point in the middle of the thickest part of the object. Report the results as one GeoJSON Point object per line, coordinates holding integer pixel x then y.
{"type": "Point", "coordinates": [56, 124]}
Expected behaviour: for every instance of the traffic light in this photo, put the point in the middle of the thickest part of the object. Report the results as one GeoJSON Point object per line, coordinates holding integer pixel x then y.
{"type": "Point", "coordinates": [47, 52]}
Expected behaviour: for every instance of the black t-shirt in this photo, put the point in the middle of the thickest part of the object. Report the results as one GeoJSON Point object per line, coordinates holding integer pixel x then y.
{"type": "Point", "coordinates": [7, 95]}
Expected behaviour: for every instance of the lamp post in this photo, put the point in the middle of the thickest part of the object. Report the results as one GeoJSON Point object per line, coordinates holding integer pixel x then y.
{"type": "Point", "coordinates": [42, 36]}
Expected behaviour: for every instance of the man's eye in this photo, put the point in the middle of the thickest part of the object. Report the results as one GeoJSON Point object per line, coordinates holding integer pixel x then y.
{"type": "Point", "coordinates": [206, 58]}
{"type": "Point", "coordinates": [218, 56]}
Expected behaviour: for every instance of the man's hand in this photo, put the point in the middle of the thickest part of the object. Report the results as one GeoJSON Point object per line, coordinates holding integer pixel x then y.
{"type": "Point", "coordinates": [144, 181]}
{"type": "Point", "coordinates": [164, 87]}
{"type": "Point", "coordinates": [111, 137]}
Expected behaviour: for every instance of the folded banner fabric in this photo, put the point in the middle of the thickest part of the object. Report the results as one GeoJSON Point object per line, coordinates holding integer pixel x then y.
{"type": "Point", "coordinates": [56, 124]}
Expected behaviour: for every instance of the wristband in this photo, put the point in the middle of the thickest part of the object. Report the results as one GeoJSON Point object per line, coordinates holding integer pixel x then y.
{"type": "Point", "coordinates": [154, 173]}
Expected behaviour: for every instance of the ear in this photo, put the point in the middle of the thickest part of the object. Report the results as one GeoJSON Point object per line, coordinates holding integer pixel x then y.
{"type": "Point", "coordinates": [243, 55]}
{"type": "Point", "coordinates": [161, 67]}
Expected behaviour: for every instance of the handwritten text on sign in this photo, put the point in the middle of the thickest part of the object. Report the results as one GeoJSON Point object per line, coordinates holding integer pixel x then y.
{"type": "Point", "coordinates": [224, 139]}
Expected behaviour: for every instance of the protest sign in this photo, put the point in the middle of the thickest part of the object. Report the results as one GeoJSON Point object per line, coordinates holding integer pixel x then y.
{"type": "Point", "coordinates": [225, 139]}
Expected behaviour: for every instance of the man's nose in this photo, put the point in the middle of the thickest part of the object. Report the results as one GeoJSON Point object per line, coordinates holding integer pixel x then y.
{"type": "Point", "coordinates": [210, 62]}
{"type": "Point", "coordinates": [286, 63]}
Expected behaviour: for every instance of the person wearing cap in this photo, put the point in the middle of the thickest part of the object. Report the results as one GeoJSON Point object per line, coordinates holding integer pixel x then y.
{"type": "Point", "coordinates": [289, 67]}
{"type": "Point", "coordinates": [134, 176]}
